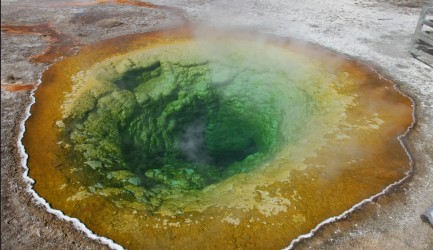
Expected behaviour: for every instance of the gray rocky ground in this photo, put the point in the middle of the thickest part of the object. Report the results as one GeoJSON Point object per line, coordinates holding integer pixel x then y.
{"type": "Point", "coordinates": [377, 32]}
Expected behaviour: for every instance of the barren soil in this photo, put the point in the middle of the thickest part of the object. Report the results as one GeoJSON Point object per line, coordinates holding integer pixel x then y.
{"type": "Point", "coordinates": [377, 32]}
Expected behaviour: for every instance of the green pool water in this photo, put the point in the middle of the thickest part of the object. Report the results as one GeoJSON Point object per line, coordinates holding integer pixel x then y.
{"type": "Point", "coordinates": [180, 118]}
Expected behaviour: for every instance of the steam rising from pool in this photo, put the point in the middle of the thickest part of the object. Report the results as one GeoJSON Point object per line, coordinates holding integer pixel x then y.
{"type": "Point", "coordinates": [162, 140]}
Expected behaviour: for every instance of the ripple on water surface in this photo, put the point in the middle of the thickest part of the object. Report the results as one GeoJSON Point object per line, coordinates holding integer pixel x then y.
{"type": "Point", "coordinates": [164, 139]}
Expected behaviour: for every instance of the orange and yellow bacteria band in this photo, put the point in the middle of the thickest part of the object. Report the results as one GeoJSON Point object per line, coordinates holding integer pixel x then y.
{"type": "Point", "coordinates": [167, 139]}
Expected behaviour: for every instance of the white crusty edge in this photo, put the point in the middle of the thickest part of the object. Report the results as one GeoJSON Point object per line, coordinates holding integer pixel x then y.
{"type": "Point", "coordinates": [38, 199]}
{"type": "Point", "coordinates": [110, 243]}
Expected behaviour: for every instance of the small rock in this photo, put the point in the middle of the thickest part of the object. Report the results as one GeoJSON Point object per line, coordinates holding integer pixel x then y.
{"type": "Point", "coordinates": [427, 216]}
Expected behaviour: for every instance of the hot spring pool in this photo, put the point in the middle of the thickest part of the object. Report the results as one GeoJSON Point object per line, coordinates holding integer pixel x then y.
{"type": "Point", "coordinates": [169, 140]}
